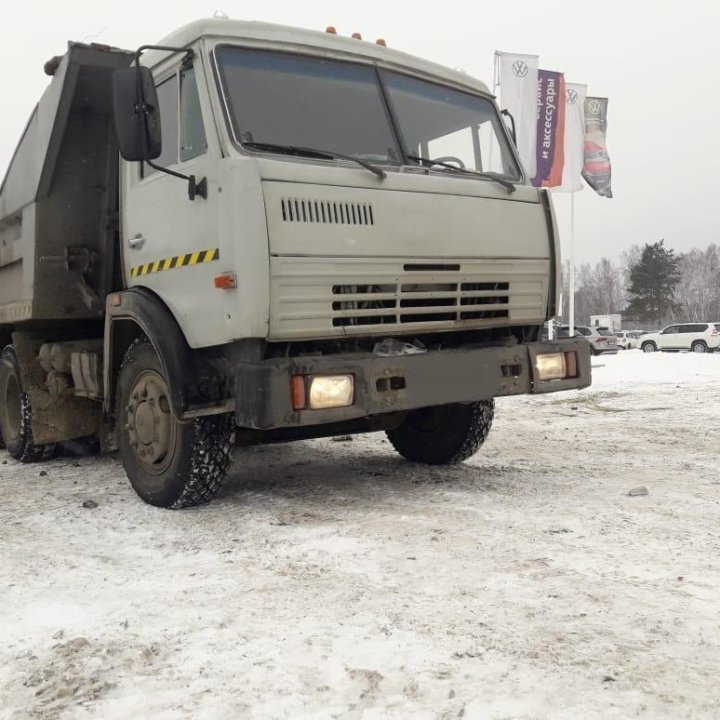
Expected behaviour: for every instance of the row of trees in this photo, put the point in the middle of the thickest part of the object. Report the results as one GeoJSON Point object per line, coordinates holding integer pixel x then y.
{"type": "Point", "coordinates": [650, 285]}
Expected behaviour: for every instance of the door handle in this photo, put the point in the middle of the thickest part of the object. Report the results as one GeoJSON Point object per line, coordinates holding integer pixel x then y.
{"type": "Point", "coordinates": [136, 242]}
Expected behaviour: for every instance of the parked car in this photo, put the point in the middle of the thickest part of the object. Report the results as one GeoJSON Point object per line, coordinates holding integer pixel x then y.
{"type": "Point", "coordinates": [698, 337]}
{"type": "Point", "coordinates": [601, 339]}
{"type": "Point", "coordinates": [628, 339]}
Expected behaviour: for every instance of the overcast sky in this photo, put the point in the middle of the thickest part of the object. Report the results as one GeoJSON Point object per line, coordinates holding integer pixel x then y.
{"type": "Point", "coordinates": [655, 61]}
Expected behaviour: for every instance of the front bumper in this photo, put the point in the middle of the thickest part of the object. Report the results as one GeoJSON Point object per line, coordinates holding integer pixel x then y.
{"type": "Point", "coordinates": [392, 384]}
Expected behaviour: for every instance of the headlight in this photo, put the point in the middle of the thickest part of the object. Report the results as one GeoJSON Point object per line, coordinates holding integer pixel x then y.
{"type": "Point", "coordinates": [551, 366]}
{"type": "Point", "coordinates": [330, 391]}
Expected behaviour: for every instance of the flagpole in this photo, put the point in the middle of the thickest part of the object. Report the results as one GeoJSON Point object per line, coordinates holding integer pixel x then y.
{"type": "Point", "coordinates": [496, 79]}
{"type": "Point", "coordinates": [571, 292]}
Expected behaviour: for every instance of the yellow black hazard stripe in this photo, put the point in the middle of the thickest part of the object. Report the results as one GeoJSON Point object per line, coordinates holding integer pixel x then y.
{"type": "Point", "coordinates": [172, 263]}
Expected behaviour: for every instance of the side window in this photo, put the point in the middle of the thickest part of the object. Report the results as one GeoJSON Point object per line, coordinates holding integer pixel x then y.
{"type": "Point", "coordinates": [671, 330]}
{"type": "Point", "coordinates": [192, 131]}
{"type": "Point", "coordinates": [167, 92]}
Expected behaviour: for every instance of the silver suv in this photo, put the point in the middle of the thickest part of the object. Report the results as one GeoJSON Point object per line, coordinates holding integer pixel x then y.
{"type": "Point", "coordinates": [601, 339]}
{"type": "Point", "coordinates": [698, 337]}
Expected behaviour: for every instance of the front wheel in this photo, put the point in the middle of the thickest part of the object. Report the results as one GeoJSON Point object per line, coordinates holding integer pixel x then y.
{"type": "Point", "coordinates": [648, 347]}
{"type": "Point", "coordinates": [16, 414]}
{"type": "Point", "coordinates": [443, 435]}
{"type": "Point", "coordinates": [170, 464]}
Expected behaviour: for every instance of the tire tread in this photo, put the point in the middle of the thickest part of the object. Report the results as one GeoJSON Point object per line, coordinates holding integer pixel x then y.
{"type": "Point", "coordinates": [448, 450]}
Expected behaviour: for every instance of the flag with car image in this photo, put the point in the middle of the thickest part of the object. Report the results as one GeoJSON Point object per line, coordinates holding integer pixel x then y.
{"type": "Point", "coordinates": [596, 164]}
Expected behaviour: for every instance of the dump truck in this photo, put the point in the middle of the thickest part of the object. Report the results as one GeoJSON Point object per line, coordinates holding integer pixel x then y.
{"type": "Point", "coordinates": [252, 233]}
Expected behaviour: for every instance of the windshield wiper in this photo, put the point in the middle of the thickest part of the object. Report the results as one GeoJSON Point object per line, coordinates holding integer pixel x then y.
{"type": "Point", "coordinates": [312, 152]}
{"type": "Point", "coordinates": [510, 187]}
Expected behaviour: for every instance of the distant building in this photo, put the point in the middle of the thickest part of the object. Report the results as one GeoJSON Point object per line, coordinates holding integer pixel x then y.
{"type": "Point", "coordinates": [611, 322]}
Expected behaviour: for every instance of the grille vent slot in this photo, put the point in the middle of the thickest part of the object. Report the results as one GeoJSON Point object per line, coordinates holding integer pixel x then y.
{"type": "Point", "coordinates": [424, 302]}
{"type": "Point", "coordinates": [327, 212]}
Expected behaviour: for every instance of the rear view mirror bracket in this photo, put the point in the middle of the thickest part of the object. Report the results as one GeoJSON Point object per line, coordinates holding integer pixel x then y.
{"type": "Point", "coordinates": [506, 113]}
{"type": "Point", "coordinates": [137, 116]}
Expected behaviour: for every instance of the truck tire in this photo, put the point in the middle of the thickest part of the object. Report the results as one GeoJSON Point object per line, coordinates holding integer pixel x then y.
{"type": "Point", "coordinates": [443, 435]}
{"type": "Point", "coordinates": [170, 464]}
{"type": "Point", "coordinates": [16, 414]}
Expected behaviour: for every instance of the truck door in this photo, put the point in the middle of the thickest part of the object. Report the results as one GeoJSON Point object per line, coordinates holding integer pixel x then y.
{"type": "Point", "coordinates": [170, 243]}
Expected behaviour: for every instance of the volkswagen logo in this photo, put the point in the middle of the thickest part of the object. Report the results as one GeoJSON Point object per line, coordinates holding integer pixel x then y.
{"type": "Point", "coordinates": [594, 107]}
{"type": "Point", "coordinates": [572, 96]}
{"type": "Point", "coordinates": [520, 68]}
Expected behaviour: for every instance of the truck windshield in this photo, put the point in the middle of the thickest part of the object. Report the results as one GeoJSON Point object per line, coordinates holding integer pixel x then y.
{"type": "Point", "coordinates": [296, 100]}
{"type": "Point", "coordinates": [440, 123]}
{"type": "Point", "coordinates": [285, 99]}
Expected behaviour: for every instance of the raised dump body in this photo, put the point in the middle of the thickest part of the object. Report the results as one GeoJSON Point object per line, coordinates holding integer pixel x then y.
{"type": "Point", "coordinates": [59, 198]}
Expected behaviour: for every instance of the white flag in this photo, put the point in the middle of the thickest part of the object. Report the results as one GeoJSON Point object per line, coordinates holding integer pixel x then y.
{"type": "Point", "coordinates": [518, 75]}
{"type": "Point", "coordinates": [574, 138]}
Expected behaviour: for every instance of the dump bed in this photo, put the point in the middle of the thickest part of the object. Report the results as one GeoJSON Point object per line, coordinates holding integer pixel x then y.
{"type": "Point", "coordinates": [59, 198]}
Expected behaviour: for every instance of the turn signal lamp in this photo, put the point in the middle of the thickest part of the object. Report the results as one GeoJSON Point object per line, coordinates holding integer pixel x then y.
{"type": "Point", "coordinates": [297, 392]}
{"type": "Point", "coordinates": [226, 281]}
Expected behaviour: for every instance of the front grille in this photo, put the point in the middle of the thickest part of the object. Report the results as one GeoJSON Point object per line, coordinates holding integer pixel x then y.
{"type": "Point", "coordinates": [403, 303]}
{"type": "Point", "coordinates": [320, 297]}
{"type": "Point", "coordinates": [326, 212]}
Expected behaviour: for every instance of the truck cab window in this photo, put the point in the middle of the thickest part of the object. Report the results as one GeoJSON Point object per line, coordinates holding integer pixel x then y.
{"type": "Point", "coordinates": [192, 131]}
{"type": "Point", "coordinates": [440, 122]}
{"type": "Point", "coordinates": [168, 100]}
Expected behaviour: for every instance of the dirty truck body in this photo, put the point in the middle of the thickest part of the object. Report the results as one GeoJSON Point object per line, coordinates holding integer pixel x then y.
{"type": "Point", "coordinates": [338, 262]}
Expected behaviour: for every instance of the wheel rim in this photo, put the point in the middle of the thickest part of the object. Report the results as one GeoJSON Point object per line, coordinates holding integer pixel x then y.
{"type": "Point", "coordinates": [11, 408]}
{"type": "Point", "coordinates": [698, 348]}
{"type": "Point", "coordinates": [151, 428]}
{"type": "Point", "coordinates": [648, 348]}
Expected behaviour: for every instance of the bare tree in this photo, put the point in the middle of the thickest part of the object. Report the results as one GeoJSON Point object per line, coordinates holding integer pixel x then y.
{"type": "Point", "coordinates": [698, 292]}
{"type": "Point", "coordinates": [599, 290]}
{"type": "Point", "coordinates": [602, 288]}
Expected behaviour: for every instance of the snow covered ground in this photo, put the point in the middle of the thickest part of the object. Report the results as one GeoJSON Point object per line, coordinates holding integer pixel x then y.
{"type": "Point", "coordinates": [334, 580]}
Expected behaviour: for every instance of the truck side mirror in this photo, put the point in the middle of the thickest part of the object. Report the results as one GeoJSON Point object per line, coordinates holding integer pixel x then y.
{"type": "Point", "coordinates": [137, 113]}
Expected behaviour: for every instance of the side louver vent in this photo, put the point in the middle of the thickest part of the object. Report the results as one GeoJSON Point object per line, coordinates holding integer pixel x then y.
{"type": "Point", "coordinates": [327, 212]}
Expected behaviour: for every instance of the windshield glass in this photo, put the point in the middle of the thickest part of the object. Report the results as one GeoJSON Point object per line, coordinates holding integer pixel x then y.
{"type": "Point", "coordinates": [306, 101]}
{"type": "Point", "coordinates": [440, 123]}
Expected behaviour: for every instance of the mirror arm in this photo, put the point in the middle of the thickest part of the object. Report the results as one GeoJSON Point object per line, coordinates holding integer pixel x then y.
{"type": "Point", "coordinates": [189, 52]}
{"type": "Point", "coordinates": [508, 114]}
{"type": "Point", "coordinates": [194, 188]}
